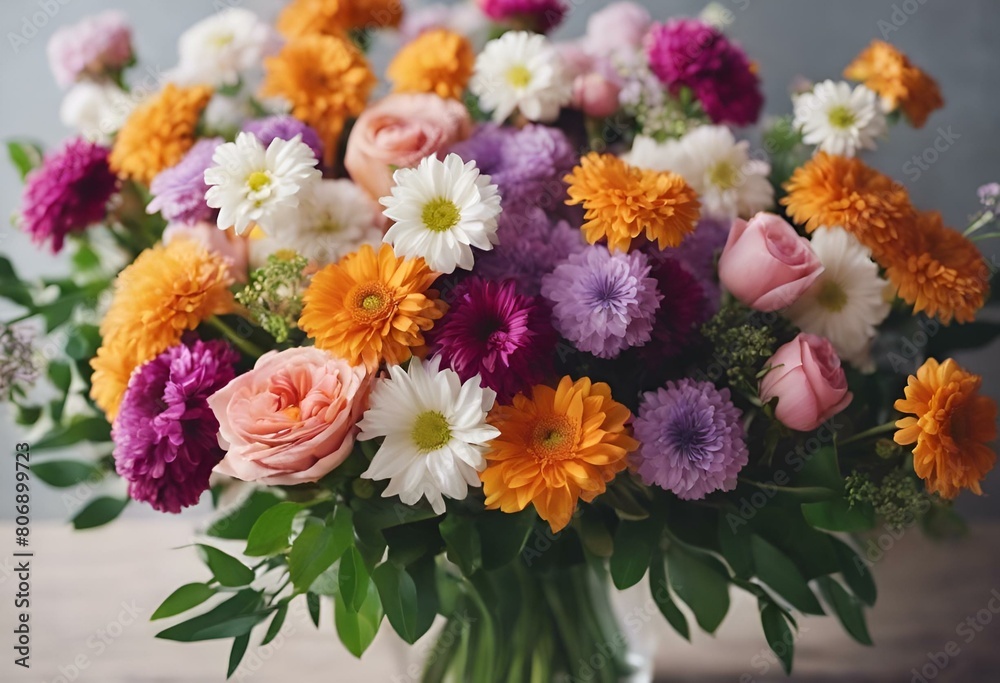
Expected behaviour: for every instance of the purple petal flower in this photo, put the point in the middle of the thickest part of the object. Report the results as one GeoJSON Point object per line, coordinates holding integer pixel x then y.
{"type": "Point", "coordinates": [699, 252]}
{"type": "Point", "coordinates": [692, 439]}
{"type": "Point", "coordinates": [179, 191]}
{"type": "Point", "coordinates": [988, 194]}
{"type": "Point", "coordinates": [284, 127]}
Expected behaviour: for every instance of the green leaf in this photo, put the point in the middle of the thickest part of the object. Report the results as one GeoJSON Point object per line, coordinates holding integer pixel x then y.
{"type": "Point", "coordinates": [702, 583]}
{"type": "Point", "coordinates": [240, 644]}
{"type": "Point", "coordinates": [87, 429]}
{"type": "Point", "coordinates": [839, 515]}
{"type": "Point", "coordinates": [184, 598]}
{"type": "Point", "coordinates": [778, 634]}
{"type": "Point", "coordinates": [85, 258]}
{"type": "Point", "coordinates": [660, 590]}
{"type": "Point", "coordinates": [83, 342]}
{"type": "Point", "coordinates": [271, 532]}
{"type": "Point", "coordinates": [25, 156]}
{"type": "Point", "coordinates": [226, 569]}
{"type": "Point", "coordinates": [855, 572]}
{"type": "Point", "coordinates": [634, 546]}
{"type": "Point", "coordinates": [594, 532]}
{"type": "Point", "coordinates": [233, 618]}
{"type": "Point", "coordinates": [276, 623]}
{"type": "Point", "coordinates": [822, 470]}
{"type": "Point", "coordinates": [847, 608]}
{"type": "Point", "coordinates": [777, 571]}
{"type": "Point", "coordinates": [398, 595]}
{"type": "Point", "coordinates": [313, 551]}
{"type": "Point", "coordinates": [237, 523]}
{"type": "Point", "coordinates": [65, 473]}
{"type": "Point", "coordinates": [735, 546]}
{"type": "Point", "coordinates": [60, 375]}
{"type": "Point", "coordinates": [358, 628]}
{"type": "Point", "coordinates": [972, 335]}
{"type": "Point", "coordinates": [425, 577]}
{"type": "Point", "coordinates": [353, 579]}
{"type": "Point", "coordinates": [27, 415]}
{"type": "Point", "coordinates": [57, 312]}
{"type": "Point", "coordinates": [99, 511]}
{"type": "Point", "coordinates": [507, 534]}
{"type": "Point", "coordinates": [313, 604]}
{"type": "Point", "coordinates": [462, 542]}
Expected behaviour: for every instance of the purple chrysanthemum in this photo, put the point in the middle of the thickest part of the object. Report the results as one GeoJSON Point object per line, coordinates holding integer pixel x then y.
{"type": "Point", "coordinates": [692, 439]}
{"type": "Point", "coordinates": [531, 246]}
{"type": "Point", "coordinates": [539, 15]}
{"type": "Point", "coordinates": [165, 433]}
{"type": "Point", "coordinates": [493, 331]}
{"type": "Point", "coordinates": [179, 191]}
{"type": "Point", "coordinates": [988, 194]}
{"type": "Point", "coordinates": [68, 193]}
{"type": "Point", "coordinates": [699, 253]}
{"type": "Point", "coordinates": [681, 313]}
{"type": "Point", "coordinates": [689, 53]}
{"type": "Point", "coordinates": [602, 302]}
{"type": "Point", "coordinates": [284, 127]}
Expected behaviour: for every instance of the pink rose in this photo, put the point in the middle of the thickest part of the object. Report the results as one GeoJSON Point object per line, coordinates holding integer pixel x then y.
{"type": "Point", "coordinates": [93, 47]}
{"type": "Point", "coordinates": [292, 419]}
{"type": "Point", "coordinates": [766, 264]}
{"type": "Point", "coordinates": [617, 29]}
{"type": "Point", "coordinates": [808, 381]}
{"type": "Point", "coordinates": [595, 95]}
{"type": "Point", "coordinates": [226, 243]}
{"type": "Point", "coordinates": [398, 132]}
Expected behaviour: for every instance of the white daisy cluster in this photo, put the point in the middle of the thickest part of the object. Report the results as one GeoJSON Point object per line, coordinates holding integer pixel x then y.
{"type": "Point", "coordinates": [840, 119]}
{"type": "Point", "coordinates": [219, 50]}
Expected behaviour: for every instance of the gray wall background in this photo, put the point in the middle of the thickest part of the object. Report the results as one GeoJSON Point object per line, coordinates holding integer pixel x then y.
{"type": "Point", "coordinates": [956, 40]}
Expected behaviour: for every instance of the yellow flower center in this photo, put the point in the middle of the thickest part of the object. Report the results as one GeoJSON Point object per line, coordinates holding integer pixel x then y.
{"type": "Point", "coordinates": [430, 431]}
{"type": "Point", "coordinates": [841, 117]}
{"type": "Point", "coordinates": [223, 39]}
{"type": "Point", "coordinates": [519, 76]}
{"type": "Point", "coordinates": [258, 180]}
{"type": "Point", "coordinates": [369, 301]}
{"type": "Point", "coordinates": [723, 175]}
{"type": "Point", "coordinates": [440, 214]}
{"type": "Point", "coordinates": [832, 296]}
{"type": "Point", "coordinates": [552, 438]}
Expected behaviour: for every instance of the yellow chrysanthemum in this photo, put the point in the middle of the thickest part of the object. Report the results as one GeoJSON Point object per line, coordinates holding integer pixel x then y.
{"type": "Point", "coordinates": [889, 72]}
{"type": "Point", "coordinates": [941, 272]}
{"type": "Point", "coordinates": [166, 291]}
{"type": "Point", "coordinates": [623, 201]}
{"type": "Point", "coordinates": [327, 81]}
{"type": "Point", "coordinates": [951, 427]}
{"type": "Point", "coordinates": [555, 448]}
{"type": "Point", "coordinates": [372, 306]}
{"type": "Point", "coordinates": [158, 133]}
{"type": "Point", "coordinates": [336, 17]}
{"type": "Point", "coordinates": [437, 61]}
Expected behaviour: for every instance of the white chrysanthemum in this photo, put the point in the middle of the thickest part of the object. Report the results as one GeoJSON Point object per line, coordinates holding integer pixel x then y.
{"type": "Point", "coordinates": [846, 302]}
{"type": "Point", "coordinates": [334, 218]}
{"type": "Point", "coordinates": [441, 210]}
{"type": "Point", "coordinates": [728, 182]}
{"type": "Point", "coordinates": [250, 184]}
{"type": "Point", "coordinates": [435, 432]}
{"type": "Point", "coordinates": [839, 119]}
{"type": "Point", "coordinates": [96, 110]}
{"type": "Point", "coordinates": [219, 50]}
{"type": "Point", "coordinates": [521, 71]}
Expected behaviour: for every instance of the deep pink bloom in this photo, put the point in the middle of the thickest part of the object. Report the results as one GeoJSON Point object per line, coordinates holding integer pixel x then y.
{"type": "Point", "coordinates": [67, 193]}
{"type": "Point", "coordinates": [682, 310]}
{"type": "Point", "coordinates": [689, 53]}
{"type": "Point", "coordinates": [541, 15]}
{"type": "Point", "coordinates": [503, 336]}
{"type": "Point", "coordinates": [165, 436]}
{"type": "Point", "coordinates": [92, 47]}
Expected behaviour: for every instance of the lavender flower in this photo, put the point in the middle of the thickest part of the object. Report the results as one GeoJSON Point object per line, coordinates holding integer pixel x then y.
{"type": "Point", "coordinates": [284, 127]}
{"type": "Point", "coordinates": [17, 364]}
{"type": "Point", "coordinates": [692, 439]}
{"type": "Point", "coordinates": [603, 302]}
{"type": "Point", "coordinates": [179, 192]}
{"type": "Point", "coordinates": [988, 194]}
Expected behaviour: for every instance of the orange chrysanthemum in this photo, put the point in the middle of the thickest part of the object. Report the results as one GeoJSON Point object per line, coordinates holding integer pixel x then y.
{"type": "Point", "coordinates": [555, 448]}
{"type": "Point", "coordinates": [158, 133]}
{"type": "Point", "coordinates": [326, 79]}
{"type": "Point", "coordinates": [166, 291]}
{"type": "Point", "coordinates": [336, 17]}
{"type": "Point", "coordinates": [437, 61]}
{"type": "Point", "coordinates": [952, 427]}
{"type": "Point", "coordinates": [942, 272]}
{"type": "Point", "coordinates": [623, 201]}
{"type": "Point", "coordinates": [370, 307]}
{"type": "Point", "coordinates": [898, 82]}
{"type": "Point", "coordinates": [832, 190]}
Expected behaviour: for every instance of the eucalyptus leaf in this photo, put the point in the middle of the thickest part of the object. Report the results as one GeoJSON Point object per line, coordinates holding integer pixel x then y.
{"type": "Point", "coordinates": [181, 600]}
{"type": "Point", "coordinates": [778, 634]}
{"type": "Point", "coordinates": [99, 511]}
{"type": "Point", "coordinates": [226, 569]}
{"type": "Point", "coordinates": [776, 570]}
{"type": "Point", "coordinates": [65, 473]}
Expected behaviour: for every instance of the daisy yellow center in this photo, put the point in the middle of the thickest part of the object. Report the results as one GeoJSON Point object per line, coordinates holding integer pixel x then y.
{"type": "Point", "coordinates": [369, 301]}
{"type": "Point", "coordinates": [329, 227]}
{"type": "Point", "coordinates": [258, 180]}
{"type": "Point", "coordinates": [440, 214]}
{"type": "Point", "coordinates": [519, 76]}
{"type": "Point", "coordinates": [723, 175]}
{"type": "Point", "coordinates": [553, 437]}
{"type": "Point", "coordinates": [832, 296]}
{"type": "Point", "coordinates": [223, 39]}
{"type": "Point", "coordinates": [431, 431]}
{"type": "Point", "coordinates": [841, 117]}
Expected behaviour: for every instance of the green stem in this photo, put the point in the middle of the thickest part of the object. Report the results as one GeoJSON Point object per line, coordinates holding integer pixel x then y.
{"type": "Point", "coordinates": [985, 219]}
{"type": "Point", "coordinates": [244, 345]}
{"type": "Point", "coordinates": [868, 433]}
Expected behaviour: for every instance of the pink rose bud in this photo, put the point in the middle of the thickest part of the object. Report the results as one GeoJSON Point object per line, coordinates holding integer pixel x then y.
{"type": "Point", "coordinates": [595, 95]}
{"type": "Point", "coordinates": [766, 264]}
{"type": "Point", "coordinates": [808, 381]}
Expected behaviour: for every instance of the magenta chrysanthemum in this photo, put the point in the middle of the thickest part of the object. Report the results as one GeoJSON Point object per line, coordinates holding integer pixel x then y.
{"type": "Point", "coordinates": [284, 127]}
{"type": "Point", "coordinates": [504, 337]}
{"type": "Point", "coordinates": [682, 310]}
{"type": "Point", "coordinates": [699, 253]}
{"type": "Point", "coordinates": [179, 191]}
{"type": "Point", "coordinates": [689, 53]}
{"type": "Point", "coordinates": [165, 434]}
{"type": "Point", "coordinates": [68, 193]}
{"type": "Point", "coordinates": [603, 303]}
{"type": "Point", "coordinates": [540, 15]}
{"type": "Point", "coordinates": [692, 439]}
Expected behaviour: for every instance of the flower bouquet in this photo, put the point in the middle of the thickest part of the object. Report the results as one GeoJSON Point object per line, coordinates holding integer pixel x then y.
{"type": "Point", "coordinates": [521, 323]}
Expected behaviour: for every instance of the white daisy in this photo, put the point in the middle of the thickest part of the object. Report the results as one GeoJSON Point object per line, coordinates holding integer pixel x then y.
{"type": "Point", "coordinates": [521, 71]}
{"type": "Point", "coordinates": [96, 110]}
{"type": "Point", "coordinates": [435, 432]}
{"type": "Point", "coordinates": [441, 210]}
{"type": "Point", "coordinates": [839, 119]}
{"type": "Point", "coordinates": [728, 182]}
{"type": "Point", "coordinates": [219, 50]}
{"type": "Point", "coordinates": [249, 184]}
{"type": "Point", "coordinates": [334, 218]}
{"type": "Point", "coordinates": [846, 302]}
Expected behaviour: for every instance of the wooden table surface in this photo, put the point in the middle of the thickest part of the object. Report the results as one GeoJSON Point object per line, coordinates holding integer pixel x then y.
{"type": "Point", "coordinates": [86, 587]}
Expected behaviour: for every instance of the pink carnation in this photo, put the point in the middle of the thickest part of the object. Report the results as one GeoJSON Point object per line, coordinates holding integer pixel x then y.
{"type": "Point", "coordinates": [541, 15]}
{"type": "Point", "coordinates": [92, 47]}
